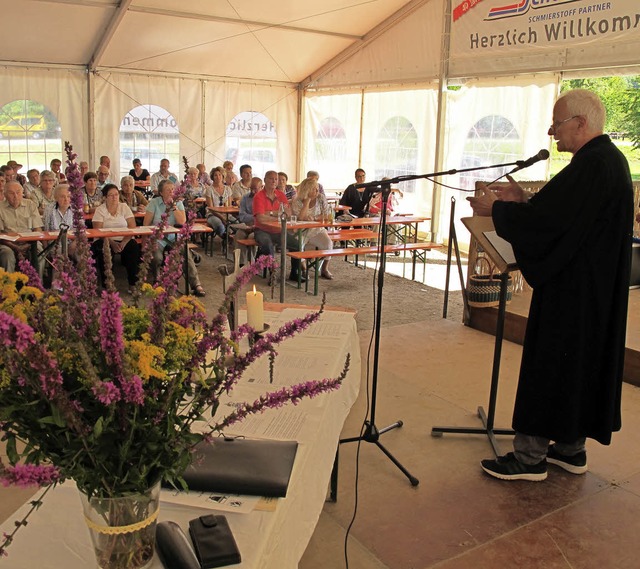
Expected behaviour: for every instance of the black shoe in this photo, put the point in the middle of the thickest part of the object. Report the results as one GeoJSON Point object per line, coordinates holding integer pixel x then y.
{"type": "Point", "coordinates": [576, 464]}
{"type": "Point", "coordinates": [294, 277]}
{"type": "Point", "coordinates": [508, 467]}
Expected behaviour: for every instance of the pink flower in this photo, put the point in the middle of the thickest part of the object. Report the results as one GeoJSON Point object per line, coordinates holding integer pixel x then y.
{"type": "Point", "coordinates": [30, 475]}
{"type": "Point", "coordinates": [106, 392]}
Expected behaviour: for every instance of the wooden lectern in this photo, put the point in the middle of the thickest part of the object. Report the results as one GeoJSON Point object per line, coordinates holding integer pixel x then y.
{"type": "Point", "coordinates": [501, 254]}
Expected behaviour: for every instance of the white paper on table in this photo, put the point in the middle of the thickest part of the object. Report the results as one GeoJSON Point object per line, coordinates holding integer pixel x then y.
{"type": "Point", "coordinates": [29, 234]}
{"type": "Point", "coordinates": [10, 237]}
{"type": "Point", "coordinates": [211, 500]}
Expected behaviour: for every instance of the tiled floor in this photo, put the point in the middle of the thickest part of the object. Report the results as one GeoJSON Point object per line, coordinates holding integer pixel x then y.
{"type": "Point", "coordinates": [437, 373]}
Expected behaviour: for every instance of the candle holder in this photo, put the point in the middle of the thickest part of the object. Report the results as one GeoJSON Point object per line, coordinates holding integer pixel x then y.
{"type": "Point", "coordinates": [257, 334]}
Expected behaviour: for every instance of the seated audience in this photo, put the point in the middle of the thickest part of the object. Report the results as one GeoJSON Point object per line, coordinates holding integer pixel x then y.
{"type": "Point", "coordinates": [165, 203]}
{"type": "Point", "coordinates": [3, 182]}
{"type": "Point", "coordinates": [106, 162]}
{"type": "Point", "coordinates": [115, 214]}
{"type": "Point", "coordinates": [162, 174]}
{"type": "Point", "coordinates": [56, 166]}
{"type": "Point", "coordinates": [352, 197]}
{"type": "Point", "coordinates": [287, 189]}
{"type": "Point", "coordinates": [217, 195]}
{"type": "Point", "coordinates": [103, 177]}
{"type": "Point", "coordinates": [16, 168]}
{"type": "Point", "coordinates": [141, 176]}
{"type": "Point", "coordinates": [61, 214]}
{"type": "Point", "coordinates": [266, 208]}
{"type": "Point", "coordinates": [241, 187]}
{"type": "Point", "coordinates": [310, 205]}
{"type": "Point", "coordinates": [132, 197]}
{"type": "Point", "coordinates": [17, 215]}
{"type": "Point", "coordinates": [8, 172]}
{"type": "Point", "coordinates": [245, 228]}
{"type": "Point", "coordinates": [43, 195]}
{"type": "Point", "coordinates": [33, 181]}
{"type": "Point", "coordinates": [313, 174]}
{"type": "Point", "coordinates": [229, 175]}
{"type": "Point", "coordinates": [92, 197]}
{"type": "Point", "coordinates": [195, 189]}
{"type": "Point", "coordinates": [84, 167]}
{"type": "Point", "coordinates": [203, 177]}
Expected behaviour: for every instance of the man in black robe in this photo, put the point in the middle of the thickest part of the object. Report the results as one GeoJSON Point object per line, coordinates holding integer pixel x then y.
{"type": "Point", "coordinates": [572, 242]}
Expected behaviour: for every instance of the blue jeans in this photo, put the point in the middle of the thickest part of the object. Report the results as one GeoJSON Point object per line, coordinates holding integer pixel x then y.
{"type": "Point", "coordinates": [267, 246]}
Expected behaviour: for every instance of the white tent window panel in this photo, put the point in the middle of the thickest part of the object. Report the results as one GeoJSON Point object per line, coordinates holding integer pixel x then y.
{"type": "Point", "coordinates": [150, 133]}
{"type": "Point", "coordinates": [29, 134]}
{"type": "Point", "coordinates": [397, 150]}
{"type": "Point", "coordinates": [252, 139]}
{"type": "Point", "coordinates": [398, 138]}
{"type": "Point", "coordinates": [488, 125]}
{"type": "Point", "coordinates": [331, 137]}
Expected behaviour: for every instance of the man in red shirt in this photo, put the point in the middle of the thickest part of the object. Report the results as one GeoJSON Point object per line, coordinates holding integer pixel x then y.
{"type": "Point", "coordinates": [266, 209]}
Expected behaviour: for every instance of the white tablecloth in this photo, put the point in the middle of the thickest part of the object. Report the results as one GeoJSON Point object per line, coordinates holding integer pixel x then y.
{"type": "Point", "coordinates": [57, 538]}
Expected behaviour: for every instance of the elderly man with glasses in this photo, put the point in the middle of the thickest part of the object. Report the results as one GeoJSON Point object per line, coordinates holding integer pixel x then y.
{"type": "Point", "coordinates": [572, 242]}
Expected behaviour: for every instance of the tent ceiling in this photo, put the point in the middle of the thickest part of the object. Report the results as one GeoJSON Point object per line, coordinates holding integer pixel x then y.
{"type": "Point", "coordinates": [267, 40]}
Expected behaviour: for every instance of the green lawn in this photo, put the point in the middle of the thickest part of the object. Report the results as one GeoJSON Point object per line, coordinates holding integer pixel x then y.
{"type": "Point", "coordinates": [560, 160]}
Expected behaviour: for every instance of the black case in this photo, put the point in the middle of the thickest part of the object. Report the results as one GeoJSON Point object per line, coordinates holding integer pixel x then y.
{"type": "Point", "coordinates": [174, 547]}
{"type": "Point", "coordinates": [213, 541]}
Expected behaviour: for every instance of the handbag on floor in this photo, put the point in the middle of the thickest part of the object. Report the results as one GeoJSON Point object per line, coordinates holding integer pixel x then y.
{"type": "Point", "coordinates": [483, 288]}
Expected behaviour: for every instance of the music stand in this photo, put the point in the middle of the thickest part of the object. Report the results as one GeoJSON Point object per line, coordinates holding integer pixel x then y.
{"type": "Point", "coordinates": [502, 257]}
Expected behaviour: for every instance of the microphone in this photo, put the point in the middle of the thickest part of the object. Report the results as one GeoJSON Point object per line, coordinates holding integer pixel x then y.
{"type": "Point", "coordinates": [521, 164]}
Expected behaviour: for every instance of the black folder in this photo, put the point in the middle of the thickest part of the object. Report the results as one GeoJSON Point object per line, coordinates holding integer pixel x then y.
{"type": "Point", "coordinates": [256, 467]}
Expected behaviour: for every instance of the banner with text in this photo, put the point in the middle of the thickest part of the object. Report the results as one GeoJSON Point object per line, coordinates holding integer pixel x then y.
{"type": "Point", "coordinates": [506, 29]}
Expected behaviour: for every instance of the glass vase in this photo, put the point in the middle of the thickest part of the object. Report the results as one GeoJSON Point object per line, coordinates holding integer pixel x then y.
{"type": "Point", "coordinates": [123, 528]}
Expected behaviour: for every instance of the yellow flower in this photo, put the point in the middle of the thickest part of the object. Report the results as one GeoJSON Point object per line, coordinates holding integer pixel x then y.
{"type": "Point", "coordinates": [146, 359]}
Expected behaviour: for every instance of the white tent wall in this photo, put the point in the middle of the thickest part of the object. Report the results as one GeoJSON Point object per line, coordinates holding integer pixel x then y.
{"type": "Point", "coordinates": [116, 94]}
{"type": "Point", "coordinates": [62, 91]}
{"type": "Point", "coordinates": [492, 122]}
{"type": "Point", "coordinates": [223, 101]}
{"type": "Point", "coordinates": [408, 51]}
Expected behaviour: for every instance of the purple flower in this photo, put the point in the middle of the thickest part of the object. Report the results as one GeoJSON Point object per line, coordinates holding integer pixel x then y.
{"type": "Point", "coordinates": [106, 392]}
{"type": "Point", "coordinates": [133, 390]}
{"type": "Point", "coordinates": [34, 278]}
{"type": "Point", "coordinates": [111, 332]}
{"type": "Point", "coordinates": [29, 475]}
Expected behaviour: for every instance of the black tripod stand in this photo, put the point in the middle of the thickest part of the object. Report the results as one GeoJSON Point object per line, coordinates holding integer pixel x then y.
{"type": "Point", "coordinates": [372, 433]}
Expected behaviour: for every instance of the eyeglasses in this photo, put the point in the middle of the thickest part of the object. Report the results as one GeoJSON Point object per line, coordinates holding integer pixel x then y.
{"type": "Point", "coordinates": [556, 125]}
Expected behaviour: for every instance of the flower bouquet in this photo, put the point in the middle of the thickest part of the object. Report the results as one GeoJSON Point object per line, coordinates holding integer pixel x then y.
{"type": "Point", "coordinates": [110, 395]}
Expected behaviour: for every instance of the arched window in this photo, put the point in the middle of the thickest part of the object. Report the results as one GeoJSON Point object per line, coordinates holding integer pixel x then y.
{"type": "Point", "coordinates": [331, 140]}
{"type": "Point", "coordinates": [397, 151]}
{"type": "Point", "coordinates": [251, 139]}
{"type": "Point", "coordinates": [150, 133]}
{"type": "Point", "coordinates": [29, 134]}
{"type": "Point", "coordinates": [492, 140]}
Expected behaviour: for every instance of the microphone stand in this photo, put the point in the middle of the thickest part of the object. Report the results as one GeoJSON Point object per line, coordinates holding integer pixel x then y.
{"type": "Point", "coordinates": [372, 432]}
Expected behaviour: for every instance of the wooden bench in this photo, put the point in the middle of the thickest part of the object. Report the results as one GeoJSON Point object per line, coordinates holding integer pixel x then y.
{"type": "Point", "coordinates": [347, 235]}
{"type": "Point", "coordinates": [314, 257]}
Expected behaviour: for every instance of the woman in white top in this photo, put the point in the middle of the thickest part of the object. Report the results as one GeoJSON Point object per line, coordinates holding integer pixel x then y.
{"type": "Point", "coordinates": [217, 195]}
{"type": "Point", "coordinates": [113, 214]}
{"type": "Point", "coordinates": [310, 205]}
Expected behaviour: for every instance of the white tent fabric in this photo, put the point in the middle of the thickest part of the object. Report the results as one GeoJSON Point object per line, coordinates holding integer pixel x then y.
{"type": "Point", "coordinates": [338, 83]}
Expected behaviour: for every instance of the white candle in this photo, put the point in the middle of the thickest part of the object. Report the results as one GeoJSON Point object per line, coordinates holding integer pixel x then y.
{"type": "Point", "coordinates": [255, 309]}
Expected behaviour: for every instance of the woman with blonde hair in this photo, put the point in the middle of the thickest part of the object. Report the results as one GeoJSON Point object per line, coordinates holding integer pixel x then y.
{"type": "Point", "coordinates": [310, 205]}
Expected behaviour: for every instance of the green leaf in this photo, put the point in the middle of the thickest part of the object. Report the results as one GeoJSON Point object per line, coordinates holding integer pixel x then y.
{"type": "Point", "coordinates": [12, 451]}
{"type": "Point", "coordinates": [97, 429]}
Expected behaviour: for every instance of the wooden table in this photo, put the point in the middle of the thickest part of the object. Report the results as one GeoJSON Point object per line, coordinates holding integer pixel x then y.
{"type": "Point", "coordinates": [227, 211]}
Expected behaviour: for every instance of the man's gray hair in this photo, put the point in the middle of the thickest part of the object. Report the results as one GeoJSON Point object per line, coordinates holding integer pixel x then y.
{"type": "Point", "coordinates": [585, 103]}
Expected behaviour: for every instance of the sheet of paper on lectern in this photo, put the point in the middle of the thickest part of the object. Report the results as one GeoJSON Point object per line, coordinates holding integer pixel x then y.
{"type": "Point", "coordinates": [502, 247]}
